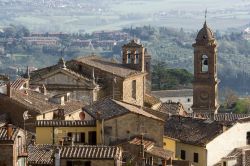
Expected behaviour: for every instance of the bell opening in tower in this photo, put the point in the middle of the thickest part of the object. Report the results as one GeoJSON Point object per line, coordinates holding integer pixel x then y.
{"type": "Point", "coordinates": [204, 64]}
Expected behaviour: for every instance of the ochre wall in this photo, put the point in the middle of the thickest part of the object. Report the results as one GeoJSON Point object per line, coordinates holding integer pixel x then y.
{"type": "Point", "coordinates": [44, 135]}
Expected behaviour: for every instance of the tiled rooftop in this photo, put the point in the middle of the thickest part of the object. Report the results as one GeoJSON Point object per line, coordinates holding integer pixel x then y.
{"type": "Point", "coordinates": [171, 108]}
{"type": "Point", "coordinates": [42, 73]}
{"type": "Point", "coordinates": [90, 152]}
{"type": "Point", "coordinates": [108, 66]}
{"type": "Point", "coordinates": [18, 83]}
{"type": "Point", "coordinates": [109, 108]}
{"type": "Point", "coordinates": [191, 130]}
{"type": "Point", "coordinates": [65, 123]}
{"type": "Point", "coordinates": [230, 117]}
{"type": "Point", "coordinates": [40, 154]}
{"type": "Point", "coordinates": [44, 154]}
{"type": "Point", "coordinates": [3, 134]}
{"type": "Point", "coordinates": [33, 100]}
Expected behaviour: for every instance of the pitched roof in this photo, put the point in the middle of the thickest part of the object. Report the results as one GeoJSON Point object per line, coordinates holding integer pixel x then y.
{"type": "Point", "coordinates": [90, 152]}
{"type": "Point", "coordinates": [192, 130]}
{"type": "Point", "coordinates": [108, 66]}
{"type": "Point", "coordinates": [40, 154]}
{"type": "Point", "coordinates": [171, 108]}
{"type": "Point", "coordinates": [45, 72]}
{"type": "Point", "coordinates": [150, 100]}
{"type": "Point", "coordinates": [33, 100]}
{"type": "Point", "coordinates": [227, 117]}
{"type": "Point", "coordinates": [39, 102]}
{"type": "Point", "coordinates": [65, 123]}
{"type": "Point", "coordinates": [72, 106]}
{"type": "Point", "coordinates": [109, 108]}
{"type": "Point", "coordinates": [160, 152]}
{"type": "Point", "coordinates": [237, 153]}
{"type": "Point", "coordinates": [173, 93]}
{"type": "Point", "coordinates": [18, 83]}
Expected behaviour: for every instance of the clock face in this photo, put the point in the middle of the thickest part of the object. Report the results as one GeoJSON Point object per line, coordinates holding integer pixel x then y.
{"type": "Point", "coordinates": [204, 95]}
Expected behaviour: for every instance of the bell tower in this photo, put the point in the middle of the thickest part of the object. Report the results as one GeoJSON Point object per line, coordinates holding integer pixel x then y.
{"type": "Point", "coordinates": [205, 85]}
{"type": "Point", "coordinates": [133, 56]}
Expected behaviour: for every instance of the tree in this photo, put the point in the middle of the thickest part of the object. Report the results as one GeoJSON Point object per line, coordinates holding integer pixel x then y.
{"type": "Point", "coordinates": [230, 97]}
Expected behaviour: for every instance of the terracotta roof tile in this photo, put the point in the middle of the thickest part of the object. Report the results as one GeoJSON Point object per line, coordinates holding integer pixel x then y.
{"type": "Point", "coordinates": [33, 100]}
{"type": "Point", "coordinates": [108, 66]}
{"type": "Point", "coordinates": [230, 117]}
{"type": "Point", "coordinates": [72, 106]}
{"type": "Point", "coordinates": [191, 130]}
{"type": "Point", "coordinates": [160, 152]}
{"type": "Point", "coordinates": [109, 108]}
{"type": "Point", "coordinates": [40, 154]}
{"type": "Point", "coordinates": [90, 152]}
{"type": "Point", "coordinates": [65, 123]}
{"type": "Point", "coordinates": [3, 134]}
{"type": "Point", "coordinates": [171, 108]}
{"type": "Point", "coordinates": [18, 83]}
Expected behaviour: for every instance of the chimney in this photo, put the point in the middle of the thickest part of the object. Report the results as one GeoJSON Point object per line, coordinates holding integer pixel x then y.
{"type": "Point", "coordinates": [43, 89]}
{"type": "Point", "coordinates": [9, 90]}
{"type": "Point", "coordinates": [9, 131]}
{"type": "Point", "coordinates": [57, 156]}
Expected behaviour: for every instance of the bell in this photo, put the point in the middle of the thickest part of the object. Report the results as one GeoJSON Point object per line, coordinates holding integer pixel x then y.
{"type": "Point", "coordinates": [205, 62]}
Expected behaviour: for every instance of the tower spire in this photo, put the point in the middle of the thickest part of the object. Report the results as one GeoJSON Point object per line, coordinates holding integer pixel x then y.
{"type": "Point", "coordinates": [205, 23]}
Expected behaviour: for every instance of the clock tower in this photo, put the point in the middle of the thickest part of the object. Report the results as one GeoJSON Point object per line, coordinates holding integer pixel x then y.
{"type": "Point", "coordinates": [205, 85]}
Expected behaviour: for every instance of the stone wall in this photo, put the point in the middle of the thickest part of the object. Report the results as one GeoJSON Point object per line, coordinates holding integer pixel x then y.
{"type": "Point", "coordinates": [130, 125]}
{"type": "Point", "coordinates": [6, 156]}
{"type": "Point", "coordinates": [127, 90]}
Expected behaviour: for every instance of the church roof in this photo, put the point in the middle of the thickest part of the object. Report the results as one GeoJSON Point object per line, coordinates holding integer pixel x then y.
{"type": "Point", "coordinates": [100, 63]}
{"type": "Point", "coordinates": [205, 34]}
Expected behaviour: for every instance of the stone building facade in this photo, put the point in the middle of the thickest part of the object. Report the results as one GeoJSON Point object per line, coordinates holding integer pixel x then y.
{"type": "Point", "coordinates": [122, 121]}
{"type": "Point", "coordinates": [92, 78]}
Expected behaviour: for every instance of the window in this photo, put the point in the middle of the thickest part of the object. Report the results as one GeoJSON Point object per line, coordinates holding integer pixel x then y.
{"type": "Point", "coordinates": [248, 138]}
{"type": "Point", "coordinates": [92, 138]}
{"type": "Point", "coordinates": [134, 89]}
{"type": "Point", "coordinates": [136, 57]}
{"type": "Point", "coordinates": [204, 64]}
{"type": "Point", "coordinates": [43, 116]}
{"type": "Point", "coordinates": [224, 163]}
{"type": "Point", "coordinates": [188, 100]}
{"type": "Point", "coordinates": [183, 154]}
{"type": "Point", "coordinates": [78, 163]}
{"type": "Point", "coordinates": [129, 57]}
{"type": "Point", "coordinates": [82, 137]}
{"type": "Point", "coordinates": [196, 157]}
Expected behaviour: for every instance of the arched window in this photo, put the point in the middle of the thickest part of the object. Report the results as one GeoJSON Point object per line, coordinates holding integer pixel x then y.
{"type": "Point", "coordinates": [204, 64]}
{"type": "Point", "coordinates": [129, 56]}
{"type": "Point", "coordinates": [136, 57]}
